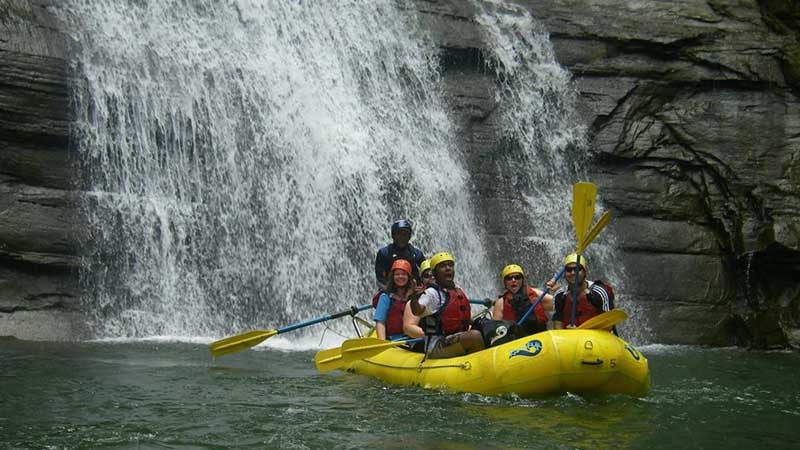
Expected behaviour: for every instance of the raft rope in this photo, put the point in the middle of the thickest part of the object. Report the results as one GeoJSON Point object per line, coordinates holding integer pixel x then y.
{"type": "Point", "coordinates": [420, 368]}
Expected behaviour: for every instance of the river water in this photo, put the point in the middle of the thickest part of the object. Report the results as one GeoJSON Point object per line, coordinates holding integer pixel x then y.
{"type": "Point", "coordinates": [159, 394]}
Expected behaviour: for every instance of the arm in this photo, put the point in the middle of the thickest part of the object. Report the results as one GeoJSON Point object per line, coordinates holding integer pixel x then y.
{"type": "Point", "coordinates": [547, 300]}
{"type": "Point", "coordinates": [381, 312]}
{"type": "Point", "coordinates": [380, 330]}
{"type": "Point", "coordinates": [380, 269]}
{"type": "Point", "coordinates": [497, 308]}
{"type": "Point", "coordinates": [558, 313]}
{"type": "Point", "coordinates": [417, 308]}
{"type": "Point", "coordinates": [411, 323]}
{"type": "Point", "coordinates": [601, 296]}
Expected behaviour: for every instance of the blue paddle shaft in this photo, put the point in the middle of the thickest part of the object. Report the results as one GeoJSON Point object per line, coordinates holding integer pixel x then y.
{"type": "Point", "coordinates": [539, 300]}
{"type": "Point", "coordinates": [348, 312]}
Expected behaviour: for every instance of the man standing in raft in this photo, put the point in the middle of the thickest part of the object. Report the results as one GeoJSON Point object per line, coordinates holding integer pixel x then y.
{"type": "Point", "coordinates": [399, 249]}
{"type": "Point", "coordinates": [594, 298]}
{"type": "Point", "coordinates": [445, 313]}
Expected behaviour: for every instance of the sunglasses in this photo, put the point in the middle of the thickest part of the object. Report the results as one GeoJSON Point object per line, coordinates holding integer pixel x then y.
{"type": "Point", "coordinates": [427, 275]}
{"type": "Point", "coordinates": [570, 269]}
{"type": "Point", "coordinates": [513, 277]}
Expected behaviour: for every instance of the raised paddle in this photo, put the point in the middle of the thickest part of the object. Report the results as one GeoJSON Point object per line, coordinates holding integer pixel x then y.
{"type": "Point", "coordinates": [605, 320]}
{"type": "Point", "coordinates": [584, 195]}
{"type": "Point", "coordinates": [594, 231]}
{"type": "Point", "coordinates": [590, 235]}
{"type": "Point", "coordinates": [252, 338]}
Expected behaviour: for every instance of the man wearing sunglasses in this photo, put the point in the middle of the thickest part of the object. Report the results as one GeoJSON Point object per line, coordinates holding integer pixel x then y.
{"type": "Point", "coordinates": [518, 298]}
{"type": "Point", "coordinates": [594, 297]}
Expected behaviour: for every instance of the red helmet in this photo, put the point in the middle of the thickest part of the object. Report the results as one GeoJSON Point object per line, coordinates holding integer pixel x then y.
{"type": "Point", "coordinates": [402, 264]}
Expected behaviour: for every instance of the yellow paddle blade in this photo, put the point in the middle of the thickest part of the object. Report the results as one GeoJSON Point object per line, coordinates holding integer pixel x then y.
{"type": "Point", "coordinates": [584, 195]}
{"type": "Point", "coordinates": [240, 342]}
{"type": "Point", "coordinates": [361, 348]}
{"type": "Point", "coordinates": [329, 359]}
{"type": "Point", "coordinates": [605, 320]}
{"type": "Point", "coordinates": [593, 232]}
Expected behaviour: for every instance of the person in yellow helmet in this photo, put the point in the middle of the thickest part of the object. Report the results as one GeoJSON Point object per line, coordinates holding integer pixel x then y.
{"type": "Point", "coordinates": [518, 297]}
{"type": "Point", "coordinates": [594, 297]}
{"type": "Point", "coordinates": [425, 273]}
{"type": "Point", "coordinates": [445, 313]}
{"type": "Point", "coordinates": [411, 325]}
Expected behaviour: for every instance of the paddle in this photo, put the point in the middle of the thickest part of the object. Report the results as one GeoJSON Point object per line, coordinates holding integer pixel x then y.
{"type": "Point", "coordinates": [252, 338]}
{"type": "Point", "coordinates": [584, 195]}
{"type": "Point", "coordinates": [354, 349]}
{"type": "Point", "coordinates": [596, 228]}
{"type": "Point", "coordinates": [605, 320]}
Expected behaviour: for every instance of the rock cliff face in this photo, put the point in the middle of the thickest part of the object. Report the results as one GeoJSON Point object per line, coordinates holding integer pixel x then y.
{"type": "Point", "coordinates": [694, 123]}
{"type": "Point", "coordinates": [694, 118]}
{"type": "Point", "coordinates": [38, 258]}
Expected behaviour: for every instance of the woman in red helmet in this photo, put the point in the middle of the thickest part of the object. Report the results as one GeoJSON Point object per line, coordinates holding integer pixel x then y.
{"type": "Point", "coordinates": [392, 301]}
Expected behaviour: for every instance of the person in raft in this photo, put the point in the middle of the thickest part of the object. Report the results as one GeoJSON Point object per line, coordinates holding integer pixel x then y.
{"type": "Point", "coordinates": [391, 303]}
{"type": "Point", "coordinates": [444, 312]}
{"type": "Point", "coordinates": [518, 298]}
{"type": "Point", "coordinates": [399, 249]}
{"type": "Point", "coordinates": [594, 297]}
{"type": "Point", "coordinates": [411, 325]}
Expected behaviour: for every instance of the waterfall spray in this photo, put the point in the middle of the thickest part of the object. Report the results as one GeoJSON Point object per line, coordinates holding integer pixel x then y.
{"type": "Point", "coordinates": [243, 159]}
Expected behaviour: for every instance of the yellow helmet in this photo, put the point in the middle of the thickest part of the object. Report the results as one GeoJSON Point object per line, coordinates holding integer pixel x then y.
{"type": "Point", "coordinates": [511, 268]}
{"type": "Point", "coordinates": [440, 258]}
{"type": "Point", "coordinates": [572, 258]}
{"type": "Point", "coordinates": [426, 265]}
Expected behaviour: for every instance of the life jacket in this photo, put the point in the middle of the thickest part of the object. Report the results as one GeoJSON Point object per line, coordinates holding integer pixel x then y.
{"type": "Point", "coordinates": [514, 310]}
{"type": "Point", "coordinates": [603, 295]}
{"type": "Point", "coordinates": [453, 317]}
{"type": "Point", "coordinates": [394, 319]}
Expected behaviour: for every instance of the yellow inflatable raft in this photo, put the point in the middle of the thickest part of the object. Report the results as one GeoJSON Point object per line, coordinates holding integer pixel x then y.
{"type": "Point", "coordinates": [552, 362]}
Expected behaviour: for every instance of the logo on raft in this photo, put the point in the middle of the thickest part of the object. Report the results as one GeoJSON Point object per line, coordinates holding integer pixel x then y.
{"type": "Point", "coordinates": [535, 344]}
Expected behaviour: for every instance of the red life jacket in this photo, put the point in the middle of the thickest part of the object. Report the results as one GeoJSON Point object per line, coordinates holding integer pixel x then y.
{"type": "Point", "coordinates": [583, 311]}
{"type": "Point", "coordinates": [394, 319]}
{"type": "Point", "coordinates": [510, 314]}
{"type": "Point", "coordinates": [454, 317]}
{"type": "Point", "coordinates": [457, 315]}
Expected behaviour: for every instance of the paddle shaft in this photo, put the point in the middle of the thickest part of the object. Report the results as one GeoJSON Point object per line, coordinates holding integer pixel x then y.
{"type": "Point", "coordinates": [351, 311]}
{"type": "Point", "coordinates": [575, 294]}
{"type": "Point", "coordinates": [539, 300]}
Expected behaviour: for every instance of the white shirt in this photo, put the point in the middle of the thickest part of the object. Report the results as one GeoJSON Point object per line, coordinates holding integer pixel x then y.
{"type": "Point", "coordinates": [431, 300]}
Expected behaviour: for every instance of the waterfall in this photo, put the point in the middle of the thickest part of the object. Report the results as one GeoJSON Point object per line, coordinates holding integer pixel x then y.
{"type": "Point", "coordinates": [544, 149]}
{"type": "Point", "coordinates": [243, 160]}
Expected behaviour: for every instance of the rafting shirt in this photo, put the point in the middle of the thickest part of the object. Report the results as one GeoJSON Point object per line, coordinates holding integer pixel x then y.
{"type": "Point", "coordinates": [433, 301]}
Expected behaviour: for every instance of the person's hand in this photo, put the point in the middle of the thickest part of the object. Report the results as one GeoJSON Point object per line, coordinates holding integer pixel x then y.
{"type": "Point", "coordinates": [551, 285]}
{"type": "Point", "coordinates": [570, 326]}
{"type": "Point", "coordinates": [416, 290]}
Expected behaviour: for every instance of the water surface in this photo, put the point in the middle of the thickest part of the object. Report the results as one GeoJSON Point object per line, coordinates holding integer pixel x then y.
{"type": "Point", "coordinates": [175, 396]}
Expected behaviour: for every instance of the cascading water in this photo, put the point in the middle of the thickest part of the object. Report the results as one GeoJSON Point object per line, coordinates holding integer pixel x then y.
{"type": "Point", "coordinates": [544, 147]}
{"type": "Point", "coordinates": [243, 161]}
